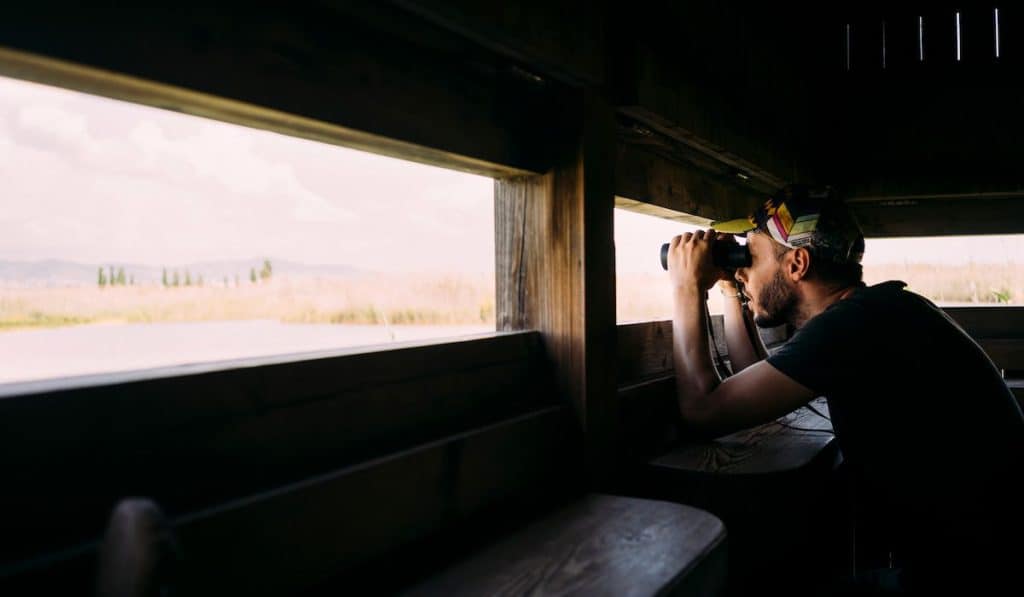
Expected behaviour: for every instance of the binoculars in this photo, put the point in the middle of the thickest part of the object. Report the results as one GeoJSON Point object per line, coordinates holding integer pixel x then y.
{"type": "Point", "coordinates": [728, 256]}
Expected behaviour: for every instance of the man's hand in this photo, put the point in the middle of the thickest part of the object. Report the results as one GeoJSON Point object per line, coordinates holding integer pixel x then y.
{"type": "Point", "coordinates": [726, 278]}
{"type": "Point", "coordinates": [689, 261]}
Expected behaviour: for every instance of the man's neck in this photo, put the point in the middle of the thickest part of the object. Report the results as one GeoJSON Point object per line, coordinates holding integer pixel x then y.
{"type": "Point", "coordinates": [817, 299]}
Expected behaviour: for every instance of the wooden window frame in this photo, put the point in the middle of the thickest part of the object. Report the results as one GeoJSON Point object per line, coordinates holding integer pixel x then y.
{"type": "Point", "coordinates": [148, 430]}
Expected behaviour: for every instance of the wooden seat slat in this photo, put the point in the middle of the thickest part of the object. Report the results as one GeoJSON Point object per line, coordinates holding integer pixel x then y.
{"type": "Point", "coordinates": [787, 444]}
{"type": "Point", "coordinates": [599, 545]}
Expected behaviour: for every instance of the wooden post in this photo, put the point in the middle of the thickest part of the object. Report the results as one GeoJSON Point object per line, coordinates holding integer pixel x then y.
{"type": "Point", "coordinates": [556, 271]}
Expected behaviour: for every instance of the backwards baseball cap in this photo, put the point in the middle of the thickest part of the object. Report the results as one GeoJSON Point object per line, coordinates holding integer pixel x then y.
{"type": "Point", "coordinates": [805, 216]}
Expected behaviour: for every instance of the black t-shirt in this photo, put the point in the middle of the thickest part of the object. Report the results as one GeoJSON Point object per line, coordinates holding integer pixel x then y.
{"type": "Point", "coordinates": [923, 417]}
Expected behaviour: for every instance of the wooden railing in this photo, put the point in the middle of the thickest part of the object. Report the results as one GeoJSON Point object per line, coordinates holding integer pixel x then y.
{"type": "Point", "coordinates": [192, 437]}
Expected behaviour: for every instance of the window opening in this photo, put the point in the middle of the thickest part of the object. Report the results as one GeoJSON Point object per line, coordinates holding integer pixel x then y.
{"type": "Point", "coordinates": [136, 237]}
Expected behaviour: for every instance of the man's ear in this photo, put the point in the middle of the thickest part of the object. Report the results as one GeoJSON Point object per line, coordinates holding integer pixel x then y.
{"type": "Point", "coordinates": [798, 264]}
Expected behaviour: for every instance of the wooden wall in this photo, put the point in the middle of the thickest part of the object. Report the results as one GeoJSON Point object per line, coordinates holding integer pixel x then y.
{"type": "Point", "coordinates": [928, 146]}
{"type": "Point", "coordinates": [284, 473]}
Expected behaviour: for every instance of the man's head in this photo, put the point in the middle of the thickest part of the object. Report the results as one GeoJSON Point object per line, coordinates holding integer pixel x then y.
{"type": "Point", "coordinates": [803, 241]}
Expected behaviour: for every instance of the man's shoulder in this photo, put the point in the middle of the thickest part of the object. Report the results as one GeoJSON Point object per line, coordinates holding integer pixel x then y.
{"type": "Point", "coordinates": [883, 291]}
{"type": "Point", "coordinates": [888, 297]}
{"type": "Point", "coordinates": [864, 309]}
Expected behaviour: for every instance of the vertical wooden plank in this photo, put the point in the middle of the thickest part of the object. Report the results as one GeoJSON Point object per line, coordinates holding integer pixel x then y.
{"type": "Point", "coordinates": [556, 272]}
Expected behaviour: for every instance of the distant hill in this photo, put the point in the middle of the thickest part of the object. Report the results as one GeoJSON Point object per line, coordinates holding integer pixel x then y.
{"type": "Point", "coordinates": [53, 272]}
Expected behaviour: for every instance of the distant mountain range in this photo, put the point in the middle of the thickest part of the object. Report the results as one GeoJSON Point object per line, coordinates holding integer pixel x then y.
{"type": "Point", "coordinates": [54, 272]}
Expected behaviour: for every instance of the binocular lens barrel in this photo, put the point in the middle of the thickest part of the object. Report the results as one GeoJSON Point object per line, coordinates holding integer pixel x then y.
{"type": "Point", "coordinates": [724, 255]}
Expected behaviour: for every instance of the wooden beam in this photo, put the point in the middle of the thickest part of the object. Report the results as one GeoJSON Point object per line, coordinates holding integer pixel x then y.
{"type": "Point", "coordinates": [1006, 353]}
{"type": "Point", "coordinates": [556, 272]}
{"type": "Point", "coordinates": [364, 75]}
{"type": "Point", "coordinates": [989, 322]}
{"type": "Point", "coordinates": [646, 177]}
{"type": "Point", "coordinates": [1017, 387]}
{"type": "Point", "coordinates": [719, 151]}
{"type": "Point", "coordinates": [537, 33]}
{"type": "Point", "coordinates": [923, 215]}
{"type": "Point", "coordinates": [720, 78]}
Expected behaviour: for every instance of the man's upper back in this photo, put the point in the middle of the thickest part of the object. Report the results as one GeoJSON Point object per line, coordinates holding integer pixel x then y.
{"type": "Point", "coordinates": [921, 413]}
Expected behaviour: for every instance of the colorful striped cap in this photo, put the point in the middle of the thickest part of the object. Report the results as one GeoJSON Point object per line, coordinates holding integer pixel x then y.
{"type": "Point", "coordinates": [803, 216]}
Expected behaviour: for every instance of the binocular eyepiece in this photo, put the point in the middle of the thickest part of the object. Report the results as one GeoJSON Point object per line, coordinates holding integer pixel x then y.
{"type": "Point", "coordinates": [726, 255]}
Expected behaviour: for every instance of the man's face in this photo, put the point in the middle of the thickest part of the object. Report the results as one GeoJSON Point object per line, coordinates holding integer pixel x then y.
{"type": "Point", "coordinates": [773, 299]}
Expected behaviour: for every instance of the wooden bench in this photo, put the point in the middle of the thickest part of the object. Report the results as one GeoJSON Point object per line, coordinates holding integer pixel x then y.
{"type": "Point", "coordinates": [334, 532]}
{"type": "Point", "coordinates": [496, 450]}
{"type": "Point", "coordinates": [777, 489]}
{"type": "Point", "coordinates": [771, 485]}
{"type": "Point", "coordinates": [599, 545]}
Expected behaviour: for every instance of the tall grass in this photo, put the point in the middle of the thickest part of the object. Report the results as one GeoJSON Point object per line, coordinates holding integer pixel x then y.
{"type": "Point", "coordinates": [648, 296]}
{"type": "Point", "coordinates": [973, 283]}
{"type": "Point", "coordinates": [452, 299]}
{"type": "Point", "coordinates": [382, 299]}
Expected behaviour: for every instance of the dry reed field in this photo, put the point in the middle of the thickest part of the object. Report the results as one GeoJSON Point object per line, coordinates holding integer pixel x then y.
{"type": "Point", "coordinates": [451, 299]}
{"type": "Point", "coordinates": [975, 283]}
{"type": "Point", "coordinates": [643, 297]}
{"type": "Point", "coordinates": [392, 299]}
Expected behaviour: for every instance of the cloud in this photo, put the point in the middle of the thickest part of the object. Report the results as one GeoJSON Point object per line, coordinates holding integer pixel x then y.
{"type": "Point", "coordinates": [99, 179]}
{"type": "Point", "coordinates": [225, 156]}
{"type": "Point", "coordinates": [214, 155]}
{"type": "Point", "coordinates": [67, 126]}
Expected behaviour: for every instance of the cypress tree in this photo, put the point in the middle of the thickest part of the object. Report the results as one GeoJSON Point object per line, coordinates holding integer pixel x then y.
{"type": "Point", "coordinates": [252, 275]}
{"type": "Point", "coordinates": [120, 277]}
{"type": "Point", "coordinates": [188, 278]}
{"type": "Point", "coordinates": [102, 280]}
{"type": "Point", "coordinates": [177, 279]}
{"type": "Point", "coordinates": [164, 279]}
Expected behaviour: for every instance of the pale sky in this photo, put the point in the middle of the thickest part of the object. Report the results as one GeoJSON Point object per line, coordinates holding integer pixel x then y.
{"type": "Point", "coordinates": [95, 180]}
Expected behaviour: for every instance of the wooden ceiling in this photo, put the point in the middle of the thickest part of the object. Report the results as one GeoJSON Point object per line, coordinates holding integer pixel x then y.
{"type": "Point", "coordinates": [718, 102]}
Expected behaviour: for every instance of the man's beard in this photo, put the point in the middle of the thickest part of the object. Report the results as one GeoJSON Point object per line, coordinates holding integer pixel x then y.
{"type": "Point", "coordinates": [777, 301]}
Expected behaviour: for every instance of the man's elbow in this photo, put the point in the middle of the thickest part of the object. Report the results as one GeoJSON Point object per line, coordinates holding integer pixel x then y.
{"type": "Point", "coordinates": [703, 421]}
{"type": "Point", "coordinates": [696, 415]}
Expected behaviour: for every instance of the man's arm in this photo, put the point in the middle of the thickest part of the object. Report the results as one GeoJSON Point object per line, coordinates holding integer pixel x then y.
{"type": "Point", "coordinates": [691, 354]}
{"type": "Point", "coordinates": [757, 394]}
{"type": "Point", "coordinates": [745, 346]}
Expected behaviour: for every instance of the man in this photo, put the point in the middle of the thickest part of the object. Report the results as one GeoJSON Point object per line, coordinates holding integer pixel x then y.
{"type": "Point", "coordinates": [928, 428]}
